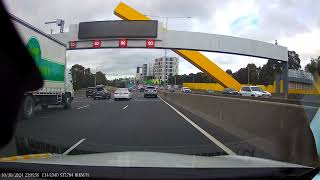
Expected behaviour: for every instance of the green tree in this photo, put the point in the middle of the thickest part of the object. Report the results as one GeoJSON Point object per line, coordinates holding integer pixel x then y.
{"type": "Point", "coordinates": [77, 72]}
{"type": "Point", "coordinates": [268, 72]}
{"type": "Point", "coordinates": [101, 78]}
{"type": "Point", "coordinates": [293, 60]}
{"type": "Point", "coordinates": [229, 71]}
{"type": "Point", "coordinates": [313, 66]}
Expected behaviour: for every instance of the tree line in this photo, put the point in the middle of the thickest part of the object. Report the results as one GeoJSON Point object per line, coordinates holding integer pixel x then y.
{"type": "Point", "coordinates": [83, 77]}
{"type": "Point", "coordinates": [314, 66]}
{"type": "Point", "coordinates": [263, 75]}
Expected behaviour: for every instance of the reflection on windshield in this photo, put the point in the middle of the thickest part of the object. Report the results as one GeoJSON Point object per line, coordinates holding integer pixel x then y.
{"type": "Point", "coordinates": [261, 109]}
{"type": "Point", "coordinates": [256, 89]}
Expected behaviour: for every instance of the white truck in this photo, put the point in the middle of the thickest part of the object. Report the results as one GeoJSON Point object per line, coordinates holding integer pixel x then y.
{"type": "Point", "coordinates": [50, 57]}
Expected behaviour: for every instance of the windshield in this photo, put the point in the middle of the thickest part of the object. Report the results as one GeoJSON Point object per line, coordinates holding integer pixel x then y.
{"type": "Point", "coordinates": [122, 90]}
{"type": "Point", "coordinates": [99, 89]}
{"type": "Point", "coordinates": [256, 89]}
{"type": "Point", "coordinates": [170, 84]}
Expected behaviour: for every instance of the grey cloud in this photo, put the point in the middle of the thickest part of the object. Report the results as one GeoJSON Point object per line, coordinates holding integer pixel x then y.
{"type": "Point", "coordinates": [276, 19]}
{"type": "Point", "coordinates": [114, 61]}
{"type": "Point", "coordinates": [283, 19]}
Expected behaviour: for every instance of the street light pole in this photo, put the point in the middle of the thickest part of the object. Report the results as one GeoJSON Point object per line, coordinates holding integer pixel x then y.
{"type": "Point", "coordinates": [165, 51]}
{"type": "Point", "coordinates": [58, 22]}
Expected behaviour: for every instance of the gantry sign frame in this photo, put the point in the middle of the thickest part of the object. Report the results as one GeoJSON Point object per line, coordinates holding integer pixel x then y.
{"type": "Point", "coordinates": [185, 44]}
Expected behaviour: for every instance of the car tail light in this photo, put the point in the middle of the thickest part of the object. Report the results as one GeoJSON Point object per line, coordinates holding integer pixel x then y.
{"type": "Point", "coordinates": [146, 91]}
{"type": "Point", "coordinates": [154, 90]}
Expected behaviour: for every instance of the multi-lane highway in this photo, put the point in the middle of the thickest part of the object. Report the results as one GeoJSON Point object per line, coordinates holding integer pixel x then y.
{"type": "Point", "coordinates": [141, 124]}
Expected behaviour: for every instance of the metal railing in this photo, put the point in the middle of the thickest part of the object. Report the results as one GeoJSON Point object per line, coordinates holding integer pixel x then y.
{"type": "Point", "coordinates": [300, 74]}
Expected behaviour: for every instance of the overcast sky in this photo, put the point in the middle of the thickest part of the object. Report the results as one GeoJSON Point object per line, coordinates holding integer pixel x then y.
{"type": "Point", "coordinates": [294, 23]}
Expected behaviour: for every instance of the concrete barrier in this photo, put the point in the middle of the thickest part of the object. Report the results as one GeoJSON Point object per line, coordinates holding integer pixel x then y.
{"type": "Point", "coordinates": [280, 130]}
{"type": "Point", "coordinates": [307, 100]}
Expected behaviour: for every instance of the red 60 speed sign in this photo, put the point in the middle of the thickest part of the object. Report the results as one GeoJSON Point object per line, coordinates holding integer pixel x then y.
{"type": "Point", "coordinates": [150, 43]}
{"type": "Point", "coordinates": [123, 43]}
{"type": "Point", "coordinates": [73, 44]}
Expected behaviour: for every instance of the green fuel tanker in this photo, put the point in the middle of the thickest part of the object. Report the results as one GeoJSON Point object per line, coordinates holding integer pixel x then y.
{"type": "Point", "coordinates": [50, 57]}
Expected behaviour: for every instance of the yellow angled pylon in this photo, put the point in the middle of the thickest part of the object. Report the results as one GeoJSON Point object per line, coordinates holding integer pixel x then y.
{"type": "Point", "coordinates": [126, 12]}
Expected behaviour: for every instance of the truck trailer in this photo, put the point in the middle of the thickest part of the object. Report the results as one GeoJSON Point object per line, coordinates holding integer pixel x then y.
{"type": "Point", "coordinates": [49, 55]}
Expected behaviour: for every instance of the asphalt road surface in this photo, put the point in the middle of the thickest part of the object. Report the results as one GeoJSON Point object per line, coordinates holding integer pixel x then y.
{"type": "Point", "coordinates": [141, 124]}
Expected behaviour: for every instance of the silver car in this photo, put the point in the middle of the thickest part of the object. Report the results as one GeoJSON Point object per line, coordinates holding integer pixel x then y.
{"type": "Point", "coordinates": [150, 91]}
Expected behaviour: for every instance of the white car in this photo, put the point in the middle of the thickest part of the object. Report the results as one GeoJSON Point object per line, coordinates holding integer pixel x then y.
{"type": "Point", "coordinates": [254, 91]}
{"type": "Point", "coordinates": [185, 90]}
{"type": "Point", "coordinates": [150, 91]}
{"type": "Point", "coordinates": [122, 93]}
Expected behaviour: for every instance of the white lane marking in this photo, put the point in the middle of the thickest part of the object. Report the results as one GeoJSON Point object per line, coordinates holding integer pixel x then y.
{"type": "Point", "coordinates": [74, 146]}
{"type": "Point", "coordinates": [125, 107]}
{"type": "Point", "coordinates": [83, 107]}
{"type": "Point", "coordinates": [211, 138]}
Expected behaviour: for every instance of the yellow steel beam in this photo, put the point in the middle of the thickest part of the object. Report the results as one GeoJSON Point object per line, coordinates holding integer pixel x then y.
{"type": "Point", "coordinates": [126, 12]}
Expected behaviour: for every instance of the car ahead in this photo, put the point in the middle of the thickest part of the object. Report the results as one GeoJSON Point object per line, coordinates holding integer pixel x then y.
{"type": "Point", "coordinates": [230, 91]}
{"type": "Point", "coordinates": [150, 91]}
{"type": "Point", "coordinates": [185, 90]}
{"type": "Point", "coordinates": [89, 91]}
{"type": "Point", "coordinates": [254, 91]}
{"type": "Point", "coordinates": [122, 93]}
{"type": "Point", "coordinates": [101, 93]}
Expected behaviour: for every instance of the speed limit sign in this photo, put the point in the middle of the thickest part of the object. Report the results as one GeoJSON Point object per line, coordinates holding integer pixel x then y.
{"type": "Point", "coordinates": [96, 43]}
{"type": "Point", "coordinates": [123, 43]}
{"type": "Point", "coordinates": [150, 43]}
{"type": "Point", "coordinates": [73, 44]}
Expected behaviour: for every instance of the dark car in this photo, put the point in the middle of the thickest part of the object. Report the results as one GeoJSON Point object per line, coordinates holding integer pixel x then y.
{"type": "Point", "coordinates": [89, 92]}
{"type": "Point", "coordinates": [230, 91]}
{"type": "Point", "coordinates": [101, 93]}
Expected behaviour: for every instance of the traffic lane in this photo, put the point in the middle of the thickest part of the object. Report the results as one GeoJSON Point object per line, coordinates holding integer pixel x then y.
{"type": "Point", "coordinates": [146, 124]}
{"type": "Point", "coordinates": [53, 109]}
{"type": "Point", "coordinates": [23, 126]}
{"type": "Point", "coordinates": [58, 126]}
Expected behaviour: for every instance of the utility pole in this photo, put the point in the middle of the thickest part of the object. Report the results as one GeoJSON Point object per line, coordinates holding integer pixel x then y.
{"type": "Point", "coordinates": [248, 75]}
